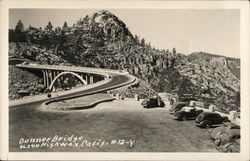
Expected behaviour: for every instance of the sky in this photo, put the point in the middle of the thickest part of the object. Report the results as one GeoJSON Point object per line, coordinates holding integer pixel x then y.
{"type": "Point", "coordinates": [188, 30]}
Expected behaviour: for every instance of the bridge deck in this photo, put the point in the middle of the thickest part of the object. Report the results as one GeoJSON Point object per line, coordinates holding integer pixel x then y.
{"type": "Point", "coordinates": [98, 71]}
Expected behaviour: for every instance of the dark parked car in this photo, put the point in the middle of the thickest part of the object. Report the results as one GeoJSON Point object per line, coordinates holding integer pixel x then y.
{"type": "Point", "coordinates": [227, 126]}
{"type": "Point", "coordinates": [227, 136]}
{"type": "Point", "coordinates": [177, 106]}
{"type": "Point", "coordinates": [208, 119]}
{"type": "Point", "coordinates": [232, 146]}
{"type": "Point", "coordinates": [187, 113]}
{"type": "Point", "coordinates": [152, 102]}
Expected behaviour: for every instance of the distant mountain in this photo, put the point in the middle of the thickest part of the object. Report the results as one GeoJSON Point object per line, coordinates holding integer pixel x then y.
{"type": "Point", "coordinates": [102, 40]}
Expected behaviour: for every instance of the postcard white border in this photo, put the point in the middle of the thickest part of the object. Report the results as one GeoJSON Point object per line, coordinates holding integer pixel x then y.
{"type": "Point", "coordinates": [245, 77]}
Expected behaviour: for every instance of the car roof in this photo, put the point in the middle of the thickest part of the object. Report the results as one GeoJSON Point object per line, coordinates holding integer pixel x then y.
{"type": "Point", "coordinates": [178, 103]}
{"type": "Point", "coordinates": [235, 131]}
{"type": "Point", "coordinates": [230, 124]}
{"type": "Point", "coordinates": [196, 103]}
{"type": "Point", "coordinates": [187, 108]}
{"type": "Point", "coordinates": [209, 113]}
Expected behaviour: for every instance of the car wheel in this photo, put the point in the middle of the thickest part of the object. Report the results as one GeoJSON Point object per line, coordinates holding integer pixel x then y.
{"type": "Point", "coordinates": [184, 118]}
{"type": "Point", "coordinates": [217, 141]}
{"type": "Point", "coordinates": [205, 124]}
{"type": "Point", "coordinates": [208, 125]}
{"type": "Point", "coordinates": [230, 150]}
{"type": "Point", "coordinates": [233, 148]}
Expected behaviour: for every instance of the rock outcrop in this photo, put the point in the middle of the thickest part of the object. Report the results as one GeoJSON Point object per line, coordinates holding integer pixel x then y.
{"type": "Point", "coordinates": [23, 83]}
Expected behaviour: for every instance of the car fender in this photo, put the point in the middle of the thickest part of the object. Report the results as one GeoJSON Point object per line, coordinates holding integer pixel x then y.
{"type": "Point", "coordinates": [204, 123]}
{"type": "Point", "coordinates": [218, 135]}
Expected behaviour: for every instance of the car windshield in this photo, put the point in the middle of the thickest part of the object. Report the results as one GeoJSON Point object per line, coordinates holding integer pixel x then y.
{"type": "Point", "coordinates": [217, 115]}
{"type": "Point", "coordinates": [225, 125]}
{"type": "Point", "coordinates": [235, 137]}
{"type": "Point", "coordinates": [235, 127]}
{"type": "Point", "coordinates": [179, 105]}
{"type": "Point", "coordinates": [187, 109]}
{"type": "Point", "coordinates": [200, 117]}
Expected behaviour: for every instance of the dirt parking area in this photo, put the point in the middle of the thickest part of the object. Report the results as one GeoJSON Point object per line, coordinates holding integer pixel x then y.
{"type": "Point", "coordinates": [117, 126]}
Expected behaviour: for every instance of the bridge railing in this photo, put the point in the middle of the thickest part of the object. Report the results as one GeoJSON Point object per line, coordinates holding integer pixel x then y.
{"type": "Point", "coordinates": [132, 79]}
{"type": "Point", "coordinates": [100, 71]}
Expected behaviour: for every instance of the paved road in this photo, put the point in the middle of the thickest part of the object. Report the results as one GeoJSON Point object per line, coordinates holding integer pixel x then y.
{"type": "Point", "coordinates": [116, 80]}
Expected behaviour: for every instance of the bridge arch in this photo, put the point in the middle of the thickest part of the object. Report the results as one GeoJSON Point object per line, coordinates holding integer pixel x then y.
{"type": "Point", "coordinates": [63, 73]}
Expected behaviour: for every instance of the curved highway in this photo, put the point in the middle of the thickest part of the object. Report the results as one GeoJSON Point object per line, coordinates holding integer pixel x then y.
{"type": "Point", "coordinates": [116, 81]}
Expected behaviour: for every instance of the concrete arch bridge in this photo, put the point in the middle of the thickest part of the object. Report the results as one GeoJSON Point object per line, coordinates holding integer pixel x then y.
{"type": "Point", "coordinates": [56, 73]}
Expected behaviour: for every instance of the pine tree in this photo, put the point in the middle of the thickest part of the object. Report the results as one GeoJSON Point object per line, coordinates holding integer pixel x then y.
{"type": "Point", "coordinates": [12, 36]}
{"type": "Point", "coordinates": [143, 42]}
{"type": "Point", "coordinates": [20, 35]}
{"type": "Point", "coordinates": [19, 26]}
{"type": "Point", "coordinates": [149, 45]}
{"type": "Point", "coordinates": [137, 39]}
{"type": "Point", "coordinates": [174, 51]}
{"type": "Point", "coordinates": [49, 27]}
{"type": "Point", "coordinates": [65, 26]}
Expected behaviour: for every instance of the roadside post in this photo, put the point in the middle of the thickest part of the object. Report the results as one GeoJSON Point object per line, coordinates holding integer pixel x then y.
{"type": "Point", "coordinates": [49, 95]}
{"type": "Point", "coordinates": [137, 97]}
{"type": "Point", "coordinates": [57, 96]}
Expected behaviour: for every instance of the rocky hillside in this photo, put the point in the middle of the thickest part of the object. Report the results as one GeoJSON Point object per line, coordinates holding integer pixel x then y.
{"type": "Point", "coordinates": [102, 40]}
{"type": "Point", "coordinates": [216, 78]}
{"type": "Point", "coordinates": [34, 52]}
{"type": "Point", "coordinates": [23, 83]}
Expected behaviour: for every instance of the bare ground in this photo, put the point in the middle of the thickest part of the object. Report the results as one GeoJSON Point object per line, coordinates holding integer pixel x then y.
{"type": "Point", "coordinates": [152, 129]}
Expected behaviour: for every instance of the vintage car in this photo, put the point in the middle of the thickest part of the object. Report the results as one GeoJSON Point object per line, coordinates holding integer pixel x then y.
{"type": "Point", "coordinates": [187, 113]}
{"type": "Point", "coordinates": [229, 126]}
{"type": "Point", "coordinates": [152, 102]}
{"type": "Point", "coordinates": [196, 104]}
{"type": "Point", "coordinates": [231, 146]}
{"type": "Point", "coordinates": [208, 119]}
{"type": "Point", "coordinates": [177, 106]}
{"type": "Point", "coordinates": [226, 136]}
